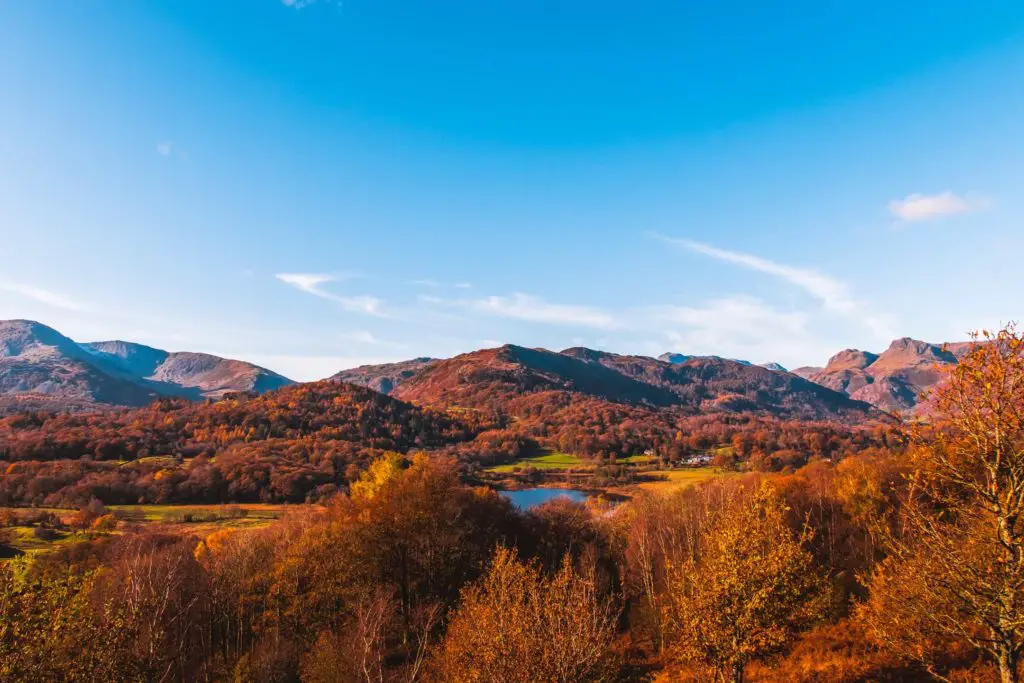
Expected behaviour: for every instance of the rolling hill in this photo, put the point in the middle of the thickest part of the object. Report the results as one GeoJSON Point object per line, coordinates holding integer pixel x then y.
{"type": "Point", "coordinates": [493, 377]}
{"type": "Point", "coordinates": [281, 446]}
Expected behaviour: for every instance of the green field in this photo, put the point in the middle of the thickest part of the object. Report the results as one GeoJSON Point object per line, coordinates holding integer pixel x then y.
{"type": "Point", "coordinates": [562, 461]}
{"type": "Point", "coordinates": [57, 511]}
{"type": "Point", "coordinates": [637, 460]}
{"type": "Point", "coordinates": [550, 461]}
{"type": "Point", "coordinates": [200, 513]}
{"type": "Point", "coordinates": [197, 520]}
{"type": "Point", "coordinates": [671, 480]}
{"type": "Point", "coordinates": [25, 540]}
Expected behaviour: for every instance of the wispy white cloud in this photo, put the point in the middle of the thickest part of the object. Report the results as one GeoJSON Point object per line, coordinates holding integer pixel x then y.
{"type": "Point", "coordinates": [312, 283]}
{"type": "Point", "coordinates": [735, 315]}
{"type": "Point", "coordinates": [360, 337]}
{"type": "Point", "coordinates": [44, 296]}
{"type": "Point", "coordinates": [923, 207]}
{"type": "Point", "coordinates": [367, 338]}
{"type": "Point", "coordinates": [529, 308]}
{"type": "Point", "coordinates": [740, 327]}
{"type": "Point", "coordinates": [833, 294]}
{"type": "Point", "coordinates": [308, 282]}
{"type": "Point", "coordinates": [370, 305]}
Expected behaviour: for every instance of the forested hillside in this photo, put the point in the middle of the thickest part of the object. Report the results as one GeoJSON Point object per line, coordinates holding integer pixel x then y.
{"type": "Point", "coordinates": [281, 446]}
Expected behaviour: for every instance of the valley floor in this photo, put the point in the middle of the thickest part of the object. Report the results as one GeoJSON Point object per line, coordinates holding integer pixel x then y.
{"type": "Point", "coordinates": [621, 478]}
{"type": "Point", "coordinates": [41, 530]}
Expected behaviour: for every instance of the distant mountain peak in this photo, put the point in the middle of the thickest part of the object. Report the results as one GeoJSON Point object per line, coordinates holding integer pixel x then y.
{"type": "Point", "coordinates": [384, 377]}
{"type": "Point", "coordinates": [135, 359]}
{"type": "Point", "coordinates": [680, 358]}
{"type": "Point", "coordinates": [583, 353]}
{"type": "Point", "coordinates": [37, 361]}
{"type": "Point", "coordinates": [892, 380]}
{"type": "Point", "coordinates": [123, 348]}
{"type": "Point", "coordinates": [851, 358]}
{"type": "Point", "coordinates": [907, 343]}
{"type": "Point", "coordinates": [22, 337]}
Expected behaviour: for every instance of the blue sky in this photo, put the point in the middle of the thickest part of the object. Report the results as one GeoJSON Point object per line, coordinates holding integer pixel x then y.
{"type": "Point", "coordinates": [314, 185]}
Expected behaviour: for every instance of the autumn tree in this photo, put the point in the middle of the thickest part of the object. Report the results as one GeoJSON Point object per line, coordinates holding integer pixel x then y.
{"type": "Point", "coordinates": [956, 572]}
{"type": "Point", "coordinates": [657, 531]}
{"type": "Point", "coordinates": [517, 625]}
{"type": "Point", "coordinates": [378, 475]}
{"type": "Point", "coordinates": [237, 564]}
{"type": "Point", "coordinates": [748, 589]}
{"type": "Point", "coordinates": [50, 630]}
{"type": "Point", "coordinates": [160, 591]}
{"type": "Point", "coordinates": [386, 562]}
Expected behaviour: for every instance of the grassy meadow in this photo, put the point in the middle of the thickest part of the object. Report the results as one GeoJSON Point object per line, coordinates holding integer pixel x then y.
{"type": "Point", "coordinates": [196, 520]}
{"type": "Point", "coordinates": [549, 461]}
{"type": "Point", "coordinates": [644, 473]}
{"type": "Point", "coordinates": [671, 480]}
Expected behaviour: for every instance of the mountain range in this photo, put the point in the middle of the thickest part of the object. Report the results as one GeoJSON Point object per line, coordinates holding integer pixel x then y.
{"type": "Point", "coordinates": [41, 368]}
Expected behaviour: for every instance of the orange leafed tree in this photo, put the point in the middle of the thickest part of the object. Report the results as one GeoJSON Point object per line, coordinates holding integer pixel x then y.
{"type": "Point", "coordinates": [517, 626]}
{"type": "Point", "coordinates": [749, 588]}
{"type": "Point", "coordinates": [955, 574]}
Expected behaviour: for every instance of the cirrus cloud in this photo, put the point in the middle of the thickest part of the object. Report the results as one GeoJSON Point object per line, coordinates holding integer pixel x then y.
{"type": "Point", "coordinates": [312, 283]}
{"type": "Point", "coordinates": [740, 327]}
{"type": "Point", "coordinates": [834, 295]}
{"type": "Point", "coordinates": [367, 338]}
{"type": "Point", "coordinates": [529, 308]}
{"type": "Point", "coordinates": [44, 296]}
{"type": "Point", "coordinates": [923, 207]}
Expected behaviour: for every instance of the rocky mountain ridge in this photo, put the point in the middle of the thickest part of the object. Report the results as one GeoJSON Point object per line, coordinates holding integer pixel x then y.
{"type": "Point", "coordinates": [894, 380]}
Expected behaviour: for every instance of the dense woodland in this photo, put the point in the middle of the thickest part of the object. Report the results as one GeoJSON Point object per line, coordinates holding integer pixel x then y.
{"type": "Point", "coordinates": [875, 554]}
{"type": "Point", "coordinates": [307, 442]}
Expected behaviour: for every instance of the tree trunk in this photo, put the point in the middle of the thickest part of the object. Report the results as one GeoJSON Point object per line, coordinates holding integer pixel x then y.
{"type": "Point", "coordinates": [735, 673]}
{"type": "Point", "coordinates": [406, 596]}
{"type": "Point", "coordinates": [1008, 665]}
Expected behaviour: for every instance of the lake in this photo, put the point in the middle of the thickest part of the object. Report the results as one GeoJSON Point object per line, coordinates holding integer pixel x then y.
{"type": "Point", "coordinates": [531, 498]}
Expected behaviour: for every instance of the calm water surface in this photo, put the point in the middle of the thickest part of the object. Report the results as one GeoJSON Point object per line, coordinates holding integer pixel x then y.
{"type": "Point", "coordinates": [531, 498]}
